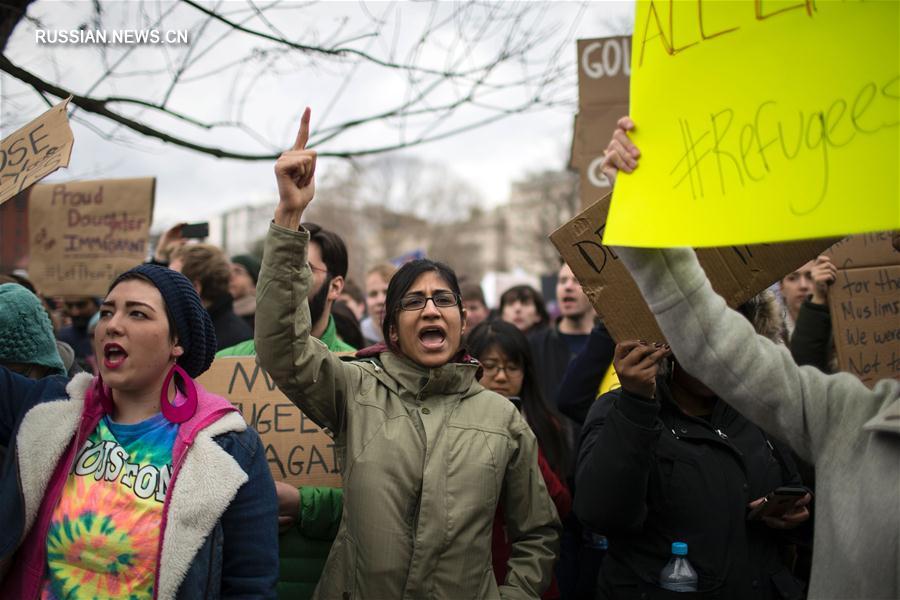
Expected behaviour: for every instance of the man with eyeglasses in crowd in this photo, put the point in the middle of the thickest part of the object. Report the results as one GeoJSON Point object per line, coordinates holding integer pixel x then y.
{"type": "Point", "coordinates": [328, 263]}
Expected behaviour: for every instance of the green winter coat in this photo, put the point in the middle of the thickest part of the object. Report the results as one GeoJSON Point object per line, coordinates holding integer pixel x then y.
{"type": "Point", "coordinates": [427, 456]}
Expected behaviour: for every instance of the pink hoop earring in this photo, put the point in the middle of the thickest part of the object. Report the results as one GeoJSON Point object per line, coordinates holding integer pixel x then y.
{"type": "Point", "coordinates": [184, 411]}
{"type": "Point", "coordinates": [103, 394]}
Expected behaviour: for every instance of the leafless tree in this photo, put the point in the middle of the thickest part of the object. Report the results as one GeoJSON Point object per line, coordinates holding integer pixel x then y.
{"type": "Point", "coordinates": [539, 204]}
{"type": "Point", "coordinates": [462, 65]}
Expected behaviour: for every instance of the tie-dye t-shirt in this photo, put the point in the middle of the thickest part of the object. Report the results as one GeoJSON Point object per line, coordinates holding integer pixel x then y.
{"type": "Point", "coordinates": [104, 533]}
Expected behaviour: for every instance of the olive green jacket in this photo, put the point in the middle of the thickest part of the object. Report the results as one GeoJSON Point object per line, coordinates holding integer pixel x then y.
{"type": "Point", "coordinates": [427, 456]}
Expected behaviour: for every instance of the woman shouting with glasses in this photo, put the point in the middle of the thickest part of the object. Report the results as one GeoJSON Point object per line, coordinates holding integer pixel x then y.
{"type": "Point", "coordinates": [428, 453]}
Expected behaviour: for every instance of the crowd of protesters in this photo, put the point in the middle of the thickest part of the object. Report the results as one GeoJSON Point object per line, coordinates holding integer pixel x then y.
{"type": "Point", "coordinates": [482, 455]}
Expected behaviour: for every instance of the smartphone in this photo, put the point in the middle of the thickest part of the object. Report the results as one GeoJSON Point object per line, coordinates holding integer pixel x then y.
{"type": "Point", "coordinates": [195, 231]}
{"type": "Point", "coordinates": [778, 502]}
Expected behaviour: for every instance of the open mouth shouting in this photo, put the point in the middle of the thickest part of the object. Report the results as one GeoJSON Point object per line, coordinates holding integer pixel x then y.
{"type": "Point", "coordinates": [432, 338]}
{"type": "Point", "coordinates": [114, 355]}
{"type": "Point", "coordinates": [568, 302]}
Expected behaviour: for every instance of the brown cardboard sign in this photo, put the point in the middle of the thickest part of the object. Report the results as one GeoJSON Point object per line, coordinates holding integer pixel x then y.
{"type": "Point", "coordinates": [604, 71]}
{"type": "Point", "coordinates": [865, 306]}
{"type": "Point", "coordinates": [865, 312]}
{"type": "Point", "coordinates": [592, 184]}
{"type": "Point", "coordinates": [34, 151]}
{"type": "Point", "coordinates": [604, 67]}
{"type": "Point", "coordinates": [864, 250]}
{"type": "Point", "coordinates": [83, 234]}
{"type": "Point", "coordinates": [592, 130]}
{"type": "Point", "coordinates": [298, 451]}
{"type": "Point", "coordinates": [737, 273]}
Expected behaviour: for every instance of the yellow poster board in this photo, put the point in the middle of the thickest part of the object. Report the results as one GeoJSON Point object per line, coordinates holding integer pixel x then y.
{"type": "Point", "coordinates": [761, 121]}
{"type": "Point", "coordinates": [610, 381]}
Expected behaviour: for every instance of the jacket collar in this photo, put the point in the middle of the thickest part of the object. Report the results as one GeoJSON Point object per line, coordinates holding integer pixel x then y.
{"type": "Point", "coordinates": [44, 434]}
{"type": "Point", "coordinates": [210, 408]}
{"type": "Point", "coordinates": [208, 479]}
{"type": "Point", "coordinates": [451, 378]}
{"type": "Point", "coordinates": [332, 341]}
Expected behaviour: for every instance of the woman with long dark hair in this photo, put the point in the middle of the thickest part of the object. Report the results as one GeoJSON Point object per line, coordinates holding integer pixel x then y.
{"type": "Point", "coordinates": [508, 369]}
{"type": "Point", "coordinates": [427, 452]}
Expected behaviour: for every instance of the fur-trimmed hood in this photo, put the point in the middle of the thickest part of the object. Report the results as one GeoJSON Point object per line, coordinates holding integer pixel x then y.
{"type": "Point", "coordinates": [764, 311]}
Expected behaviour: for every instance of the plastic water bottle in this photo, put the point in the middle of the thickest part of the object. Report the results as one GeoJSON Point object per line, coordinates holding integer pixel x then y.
{"type": "Point", "coordinates": [678, 575]}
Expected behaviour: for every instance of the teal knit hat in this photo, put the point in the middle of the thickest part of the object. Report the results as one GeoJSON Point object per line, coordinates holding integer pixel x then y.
{"type": "Point", "coordinates": [26, 335]}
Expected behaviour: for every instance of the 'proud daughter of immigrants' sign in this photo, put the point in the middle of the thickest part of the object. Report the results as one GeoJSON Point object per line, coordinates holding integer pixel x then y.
{"type": "Point", "coordinates": [83, 234]}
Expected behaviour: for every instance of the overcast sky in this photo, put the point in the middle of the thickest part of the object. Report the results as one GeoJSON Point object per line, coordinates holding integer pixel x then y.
{"type": "Point", "coordinates": [193, 187]}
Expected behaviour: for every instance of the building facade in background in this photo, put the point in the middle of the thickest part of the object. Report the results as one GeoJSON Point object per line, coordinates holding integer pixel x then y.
{"type": "Point", "coordinates": [14, 233]}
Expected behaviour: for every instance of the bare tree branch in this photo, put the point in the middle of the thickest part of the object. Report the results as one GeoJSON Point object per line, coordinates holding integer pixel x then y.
{"type": "Point", "coordinates": [467, 65]}
{"type": "Point", "coordinates": [98, 106]}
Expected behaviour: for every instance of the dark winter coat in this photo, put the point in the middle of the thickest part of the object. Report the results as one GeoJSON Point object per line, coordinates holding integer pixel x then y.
{"type": "Point", "coordinates": [551, 358]}
{"type": "Point", "coordinates": [581, 382]}
{"type": "Point", "coordinates": [230, 328]}
{"type": "Point", "coordinates": [649, 475]}
{"type": "Point", "coordinates": [811, 341]}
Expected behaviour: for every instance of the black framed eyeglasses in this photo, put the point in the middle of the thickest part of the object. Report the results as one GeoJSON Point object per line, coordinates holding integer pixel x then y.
{"type": "Point", "coordinates": [491, 368]}
{"type": "Point", "coordinates": [441, 300]}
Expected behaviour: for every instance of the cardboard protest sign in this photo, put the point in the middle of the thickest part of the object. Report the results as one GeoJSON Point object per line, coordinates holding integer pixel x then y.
{"type": "Point", "coordinates": [864, 250]}
{"type": "Point", "coordinates": [592, 132]}
{"type": "Point", "coordinates": [760, 122]}
{"type": "Point", "coordinates": [865, 306]}
{"type": "Point", "coordinates": [604, 69]}
{"type": "Point", "coordinates": [298, 451]}
{"type": "Point", "coordinates": [865, 309]}
{"type": "Point", "coordinates": [737, 273]}
{"type": "Point", "coordinates": [34, 151]}
{"type": "Point", "coordinates": [83, 234]}
{"type": "Point", "coordinates": [603, 77]}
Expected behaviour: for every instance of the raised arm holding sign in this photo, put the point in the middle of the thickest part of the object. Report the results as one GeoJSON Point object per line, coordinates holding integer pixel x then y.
{"type": "Point", "coordinates": [848, 431]}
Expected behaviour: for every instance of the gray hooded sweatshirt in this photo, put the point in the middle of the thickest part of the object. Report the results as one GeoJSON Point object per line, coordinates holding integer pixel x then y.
{"type": "Point", "coordinates": [850, 432]}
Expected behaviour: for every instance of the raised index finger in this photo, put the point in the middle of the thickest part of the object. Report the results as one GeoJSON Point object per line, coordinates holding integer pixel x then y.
{"type": "Point", "coordinates": [303, 134]}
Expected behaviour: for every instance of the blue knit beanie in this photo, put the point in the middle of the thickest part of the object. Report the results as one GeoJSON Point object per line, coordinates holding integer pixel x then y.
{"type": "Point", "coordinates": [192, 322]}
{"type": "Point", "coordinates": [26, 335]}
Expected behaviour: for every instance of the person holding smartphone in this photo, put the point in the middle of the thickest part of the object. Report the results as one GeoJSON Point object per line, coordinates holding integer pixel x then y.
{"type": "Point", "coordinates": [662, 459]}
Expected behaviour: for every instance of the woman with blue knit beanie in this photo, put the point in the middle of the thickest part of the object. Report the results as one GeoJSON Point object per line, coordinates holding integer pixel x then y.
{"type": "Point", "coordinates": [136, 483]}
